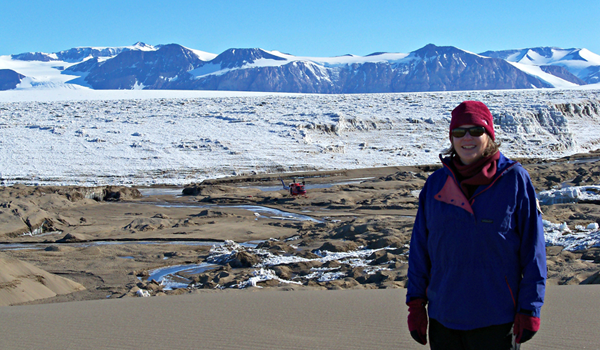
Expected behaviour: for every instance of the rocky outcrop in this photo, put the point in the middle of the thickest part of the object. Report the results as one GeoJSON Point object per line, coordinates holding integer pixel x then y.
{"type": "Point", "coordinates": [277, 264]}
{"type": "Point", "coordinates": [29, 211]}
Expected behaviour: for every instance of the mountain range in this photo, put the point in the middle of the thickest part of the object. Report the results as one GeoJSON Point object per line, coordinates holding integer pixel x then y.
{"type": "Point", "coordinates": [175, 67]}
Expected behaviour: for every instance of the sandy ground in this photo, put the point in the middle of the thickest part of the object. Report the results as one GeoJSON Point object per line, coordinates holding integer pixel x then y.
{"type": "Point", "coordinates": [73, 261]}
{"type": "Point", "coordinates": [349, 319]}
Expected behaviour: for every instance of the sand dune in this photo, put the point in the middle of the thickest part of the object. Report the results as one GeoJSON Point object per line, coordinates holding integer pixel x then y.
{"type": "Point", "coordinates": [347, 319]}
{"type": "Point", "coordinates": [21, 282]}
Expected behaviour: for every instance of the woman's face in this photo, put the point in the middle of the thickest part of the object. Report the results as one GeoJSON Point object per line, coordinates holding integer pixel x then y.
{"type": "Point", "coordinates": [470, 148]}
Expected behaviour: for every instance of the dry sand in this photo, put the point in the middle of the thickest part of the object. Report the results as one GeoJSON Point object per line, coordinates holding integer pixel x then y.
{"type": "Point", "coordinates": [349, 319]}
{"type": "Point", "coordinates": [21, 282]}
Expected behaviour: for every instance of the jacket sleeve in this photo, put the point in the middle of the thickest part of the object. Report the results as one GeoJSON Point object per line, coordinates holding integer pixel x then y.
{"type": "Point", "coordinates": [532, 251]}
{"type": "Point", "coordinates": [419, 264]}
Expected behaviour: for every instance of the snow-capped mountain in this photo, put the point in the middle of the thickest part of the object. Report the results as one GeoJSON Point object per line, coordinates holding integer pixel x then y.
{"type": "Point", "coordinates": [431, 68]}
{"type": "Point", "coordinates": [581, 63]}
{"type": "Point", "coordinates": [9, 79]}
{"type": "Point", "coordinates": [79, 54]}
{"type": "Point", "coordinates": [152, 69]}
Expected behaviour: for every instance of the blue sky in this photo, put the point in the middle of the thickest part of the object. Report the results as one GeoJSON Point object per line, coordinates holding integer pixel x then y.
{"type": "Point", "coordinates": [303, 28]}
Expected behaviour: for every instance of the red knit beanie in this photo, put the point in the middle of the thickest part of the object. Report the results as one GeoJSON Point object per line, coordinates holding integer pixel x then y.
{"type": "Point", "coordinates": [473, 113]}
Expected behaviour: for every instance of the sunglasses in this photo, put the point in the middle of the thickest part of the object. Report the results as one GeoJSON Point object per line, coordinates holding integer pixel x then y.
{"type": "Point", "coordinates": [474, 131]}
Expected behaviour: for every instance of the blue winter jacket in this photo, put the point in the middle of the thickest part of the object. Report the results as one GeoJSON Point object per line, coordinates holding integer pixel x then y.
{"type": "Point", "coordinates": [477, 262]}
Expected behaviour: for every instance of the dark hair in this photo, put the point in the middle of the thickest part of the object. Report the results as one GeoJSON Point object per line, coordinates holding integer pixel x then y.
{"type": "Point", "coordinates": [492, 147]}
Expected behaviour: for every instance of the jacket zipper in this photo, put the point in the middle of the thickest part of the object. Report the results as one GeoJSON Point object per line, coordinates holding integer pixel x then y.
{"type": "Point", "coordinates": [511, 292]}
{"type": "Point", "coordinates": [472, 200]}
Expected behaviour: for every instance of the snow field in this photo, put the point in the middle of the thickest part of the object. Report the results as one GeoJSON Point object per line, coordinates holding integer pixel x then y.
{"type": "Point", "coordinates": [176, 141]}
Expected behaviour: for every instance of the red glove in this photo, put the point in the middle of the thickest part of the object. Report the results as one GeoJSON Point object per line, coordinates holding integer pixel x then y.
{"type": "Point", "coordinates": [417, 320]}
{"type": "Point", "coordinates": [525, 327]}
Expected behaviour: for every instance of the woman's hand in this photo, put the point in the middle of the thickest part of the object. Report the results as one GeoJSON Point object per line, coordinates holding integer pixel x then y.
{"type": "Point", "coordinates": [417, 320]}
{"type": "Point", "coordinates": [525, 327]}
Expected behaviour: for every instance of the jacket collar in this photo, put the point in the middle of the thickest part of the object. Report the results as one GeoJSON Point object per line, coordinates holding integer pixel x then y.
{"type": "Point", "coordinates": [503, 165]}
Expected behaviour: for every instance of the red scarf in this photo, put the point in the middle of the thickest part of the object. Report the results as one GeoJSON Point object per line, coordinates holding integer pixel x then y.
{"type": "Point", "coordinates": [475, 174]}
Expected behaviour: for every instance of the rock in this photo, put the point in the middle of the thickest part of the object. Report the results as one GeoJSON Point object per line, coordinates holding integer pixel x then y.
{"type": "Point", "coordinates": [202, 278]}
{"type": "Point", "coordinates": [314, 284]}
{"type": "Point", "coordinates": [568, 256]}
{"type": "Point", "coordinates": [71, 238]}
{"type": "Point", "coordinates": [172, 254]}
{"type": "Point", "coordinates": [210, 213]}
{"type": "Point", "coordinates": [553, 250]}
{"type": "Point", "coordinates": [592, 254]}
{"type": "Point", "coordinates": [218, 190]}
{"type": "Point", "coordinates": [381, 276]}
{"type": "Point", "coordinates": [593, 279]}
{"type": "Point", "coordinates": [380, 259]}
{"type": "Point", "coordinates": [223, 278]}
{"type": "Point", "coordinates": [392, 284]}
{"type": "Point", "coordinates": [154, 286]}
{"type": "Point", "coordinates": [332, 264]}
{"type": "Point", "coordinates": [209, 285]}
{"type": "Point", "coordinates": [357, 272]}
{"type": "Point", "coordinates": [399, 267]}
{"type": "Point", "coordinates": [268, 283]}
{"type": "Point", "coordinates": [303, 267]}
{"type": "Point", "coordinates": [266, 244]}
{"type": "Point", "coordinates": [339, 246]}
{"type": "Point", "coordinates": [191, 191]}
{"type": "Point", "coordinates": [345, 283]}
{"type": "Point", "coordinates": [278, 248]}
{"type": "Point", "coordinates": [116, 193]}
{"type": "Point", "coordinates": [398, 251]}
{"type": "Point", "coordinates": [223, 274]}
{"type": "Point", "coordinates": [244, 259]}
{"type": "Point", "coordinates": [283, 272]}
{"type": "Point", "coordinates": [161, 216]}
{"type": "Point", "coordinates": [307, 255]}
{"type": "Point", "coordinates": [363, 279]}
{"type": "Point", "coordinates": [147, 224]}
{"type": "Point", "coordinates": [385, 242]}
{"type": "Point", "coordinates": [351, 230]}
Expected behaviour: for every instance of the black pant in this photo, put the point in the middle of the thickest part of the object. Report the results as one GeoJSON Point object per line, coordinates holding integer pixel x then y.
{"type": "Point", "coordinates": [487, 338]}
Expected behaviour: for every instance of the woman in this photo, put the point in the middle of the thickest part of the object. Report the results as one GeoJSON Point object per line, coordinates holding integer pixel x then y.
{"type": "Point", "coordinates": [477, 254]}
